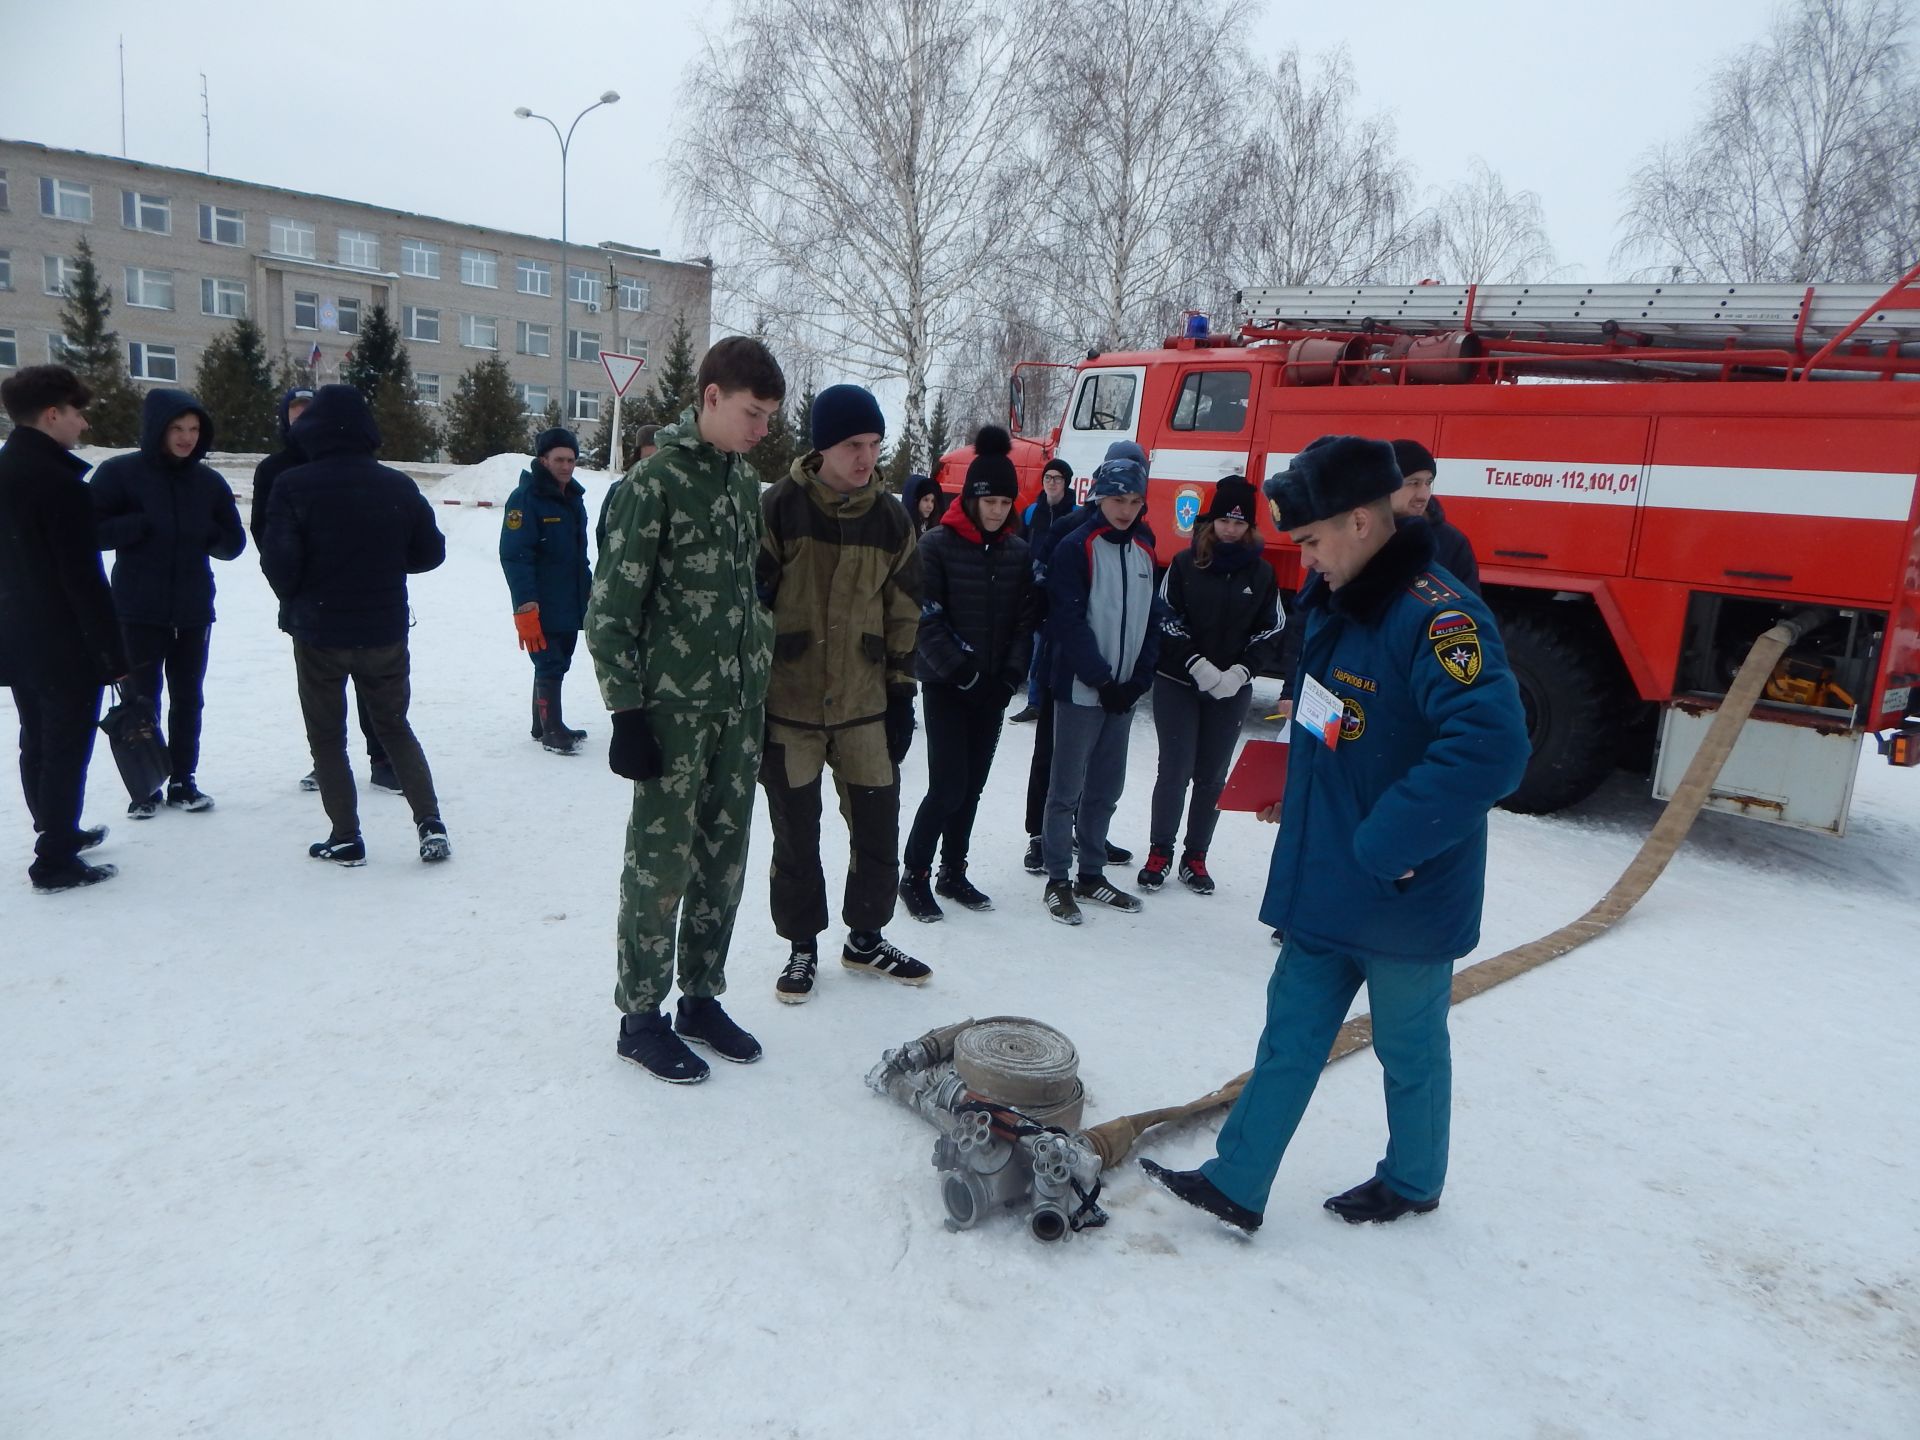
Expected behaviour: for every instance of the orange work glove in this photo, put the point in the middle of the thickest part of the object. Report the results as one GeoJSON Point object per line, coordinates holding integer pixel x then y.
{"type": "Point", "coordinates": [527, 621]}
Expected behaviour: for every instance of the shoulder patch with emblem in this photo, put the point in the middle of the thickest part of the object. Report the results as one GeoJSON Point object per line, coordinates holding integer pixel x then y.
{"type": "Point", "coordinates": [515, 519]}
{"type": "Point", "coordinates": [1460, 656]}
{"type": "Point", "coordinates": [1430, 590]}
{"type": "Point", "coordinates": [1448, 623]}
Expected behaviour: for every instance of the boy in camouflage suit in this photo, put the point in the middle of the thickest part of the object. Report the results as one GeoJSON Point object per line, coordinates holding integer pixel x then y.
{"type": "Point", "coordinates": [683, 649]}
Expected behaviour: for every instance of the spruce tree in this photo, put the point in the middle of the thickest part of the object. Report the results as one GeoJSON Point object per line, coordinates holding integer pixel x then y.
{"type": "Point", "coordinates": [547, 419]}
{"type": "Point", "coordinates": [92, 351]}
{"type": "Point", "coordinates": [937, 440]}
{"type": "Point", "coordinates": [773, 457]}
{"type": "Point", "coordinates": [897, 466]}
{"type": "Point", "coordinates": [407, 428]}
{"type": "Point", "coordinates": [236, 386]}
{"type": "Point", "coordinates": [484, 417]}
{"type": "Point", "coordinates": [373, 356]}
{"type": "Point", "coordinates": [291, 374]}
{"type": "Point", "coordinates": [673, 387]}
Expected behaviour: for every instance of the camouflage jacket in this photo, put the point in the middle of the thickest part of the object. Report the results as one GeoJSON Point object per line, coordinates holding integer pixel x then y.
{"type": "Point", "coordinates": [673, 623]}
{"type": "Point", "coordinates": [841, 574]}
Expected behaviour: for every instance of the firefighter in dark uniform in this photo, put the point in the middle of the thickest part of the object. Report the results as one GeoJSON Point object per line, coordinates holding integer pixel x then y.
{"type": "Point", "coordinates": [543, 550]}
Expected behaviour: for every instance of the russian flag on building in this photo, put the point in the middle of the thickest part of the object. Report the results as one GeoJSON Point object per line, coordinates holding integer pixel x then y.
{"type": "Point", "coordinates": [313, 360]}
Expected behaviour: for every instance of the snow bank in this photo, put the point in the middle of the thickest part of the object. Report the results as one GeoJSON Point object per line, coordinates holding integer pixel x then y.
{"type": "Point", "coordinates": [493, 480]}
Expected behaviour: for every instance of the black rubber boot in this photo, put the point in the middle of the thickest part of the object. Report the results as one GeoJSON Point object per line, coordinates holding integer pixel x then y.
{"type": "Point", "coordinates": [537, 731]}
{"type": "Point", "coordinates": [559, 717]}
{"type": "Point", "coordinates": [553, 738]}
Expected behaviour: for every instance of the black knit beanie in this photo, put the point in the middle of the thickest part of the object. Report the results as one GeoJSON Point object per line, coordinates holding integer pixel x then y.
{"type": "Point", "coordinates": [991, 471]}
{"type": "Point", "coordinates": [1234, 499]}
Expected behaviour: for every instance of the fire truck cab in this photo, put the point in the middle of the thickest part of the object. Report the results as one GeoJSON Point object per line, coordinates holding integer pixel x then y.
{"type": "Point", "coordinates": [1651, 476]}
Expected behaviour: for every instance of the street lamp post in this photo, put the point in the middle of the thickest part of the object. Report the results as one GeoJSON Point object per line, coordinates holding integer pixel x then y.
{"type": "Point", "coordinates": [565, 141]}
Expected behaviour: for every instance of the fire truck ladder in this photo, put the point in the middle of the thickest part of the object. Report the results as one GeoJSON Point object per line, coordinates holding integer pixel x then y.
{"type": "Point", "coordinates": [1800, 326]}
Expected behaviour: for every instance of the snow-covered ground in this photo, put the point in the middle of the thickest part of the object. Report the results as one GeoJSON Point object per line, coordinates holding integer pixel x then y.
{"type": "Point", "coordinates": [291, 1150]}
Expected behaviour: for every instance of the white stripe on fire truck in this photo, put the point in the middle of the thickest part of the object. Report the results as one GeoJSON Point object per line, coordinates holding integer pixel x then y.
{"type": "Point", "coordinates": [1208, 465]}
{"type": "Point", "coordinates": [1833, 494]}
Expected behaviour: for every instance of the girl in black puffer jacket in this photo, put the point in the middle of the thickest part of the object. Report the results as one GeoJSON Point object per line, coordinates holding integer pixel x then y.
{"type": "Point", "coordinates": [976, 637]}
{"type": "Point", "coordinates": [1222, 628]}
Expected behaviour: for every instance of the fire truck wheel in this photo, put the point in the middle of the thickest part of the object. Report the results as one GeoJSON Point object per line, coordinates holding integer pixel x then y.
{"type": "Point", "coordinates": [1570, 688]}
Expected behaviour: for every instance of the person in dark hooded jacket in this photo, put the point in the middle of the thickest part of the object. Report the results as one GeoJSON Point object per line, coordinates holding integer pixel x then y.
{"type": "Point", "coordinates": [1221, 628]}
{"type": "Point", "coordinates": [971, 653]}
{"type": "Point", "coordinates": [926, 502]}
{"type": "Point", "coordinates": [166, 514]}
{"type": "Point", "coordinates": [543, 551]}
{"type": "Point", "coordinates": [293, 404]}
{"type": "Point", "coordinates": [342, 534]}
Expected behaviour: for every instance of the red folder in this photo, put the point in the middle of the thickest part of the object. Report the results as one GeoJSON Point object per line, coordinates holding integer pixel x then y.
{"type": "Point", "coordinates": [1259, 776]}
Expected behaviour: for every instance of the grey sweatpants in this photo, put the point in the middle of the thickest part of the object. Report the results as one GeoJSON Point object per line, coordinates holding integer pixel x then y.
{"type": "Point", "coordinates": [1089, 772]}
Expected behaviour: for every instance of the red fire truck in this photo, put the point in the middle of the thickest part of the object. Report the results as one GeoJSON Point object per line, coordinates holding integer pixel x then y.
{"type": "Point", "coordinates": [1650, 475]}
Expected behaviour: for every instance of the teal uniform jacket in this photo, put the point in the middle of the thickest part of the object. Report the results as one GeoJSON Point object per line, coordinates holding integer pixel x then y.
{"type": "Point", "coordinates": [543, 549]}
{"type": "Point", "coordinates": [1433, 737]}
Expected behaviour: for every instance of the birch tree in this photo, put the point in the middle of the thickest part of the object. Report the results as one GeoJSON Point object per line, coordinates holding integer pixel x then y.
{"type": "Point", "coordinates": [1325, 196]}
{"type": "Point", "coordinates": [1803, 167]}
{"type": "Point", "coordinates": [1484, 232]}
{"type": "Point", "coordinates": [846, 159]}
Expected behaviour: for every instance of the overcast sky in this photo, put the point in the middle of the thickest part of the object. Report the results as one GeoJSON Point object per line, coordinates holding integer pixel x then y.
{"type": "Point", "coordinates": [412, 106]}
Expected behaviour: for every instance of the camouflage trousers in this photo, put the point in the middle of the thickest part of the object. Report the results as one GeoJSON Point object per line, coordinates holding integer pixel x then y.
{"type": "Point", "coordinates": [686, 857]}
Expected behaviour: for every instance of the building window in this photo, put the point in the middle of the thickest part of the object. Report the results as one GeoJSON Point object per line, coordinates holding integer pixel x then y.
{"type": "Point", "coordinates": [533, 277]}
{"type": "Point", "coordinates": [306, 310]}
{"type": "Point", "coordinates": [290, 237]}
{"type": "Point", "coordinates": [585, 404]}
{"type": "Point", "coordinates": [429, 388]}
{"type": "Point", "coordinates": [583, 287]}
{"type": "Point", "coordinates": [480, 267]}
{"type": "Point", "coordinates": [226, 298]}
{"type": "Point", "coordinates": [634, 293]}
{"type": "Point", "coordinates": [66, 200]}
{"type": "Point", "coordinates": [152, 213]}
{"type": "Point", "coordinates": [9, 350]}
{"type": "Point", "coordinates": [60, 273]}
{"type": "Point", "coordinates": [419, 257]}
{"type": "Point", "coordinates": [152, 362]}
{"type": "Point", "coordinates": [221, 226]}
{"type": "Point", "coordinates": [531, 339]}
{"type": "Point", "coordinates": [149, 289]}
{"type": "Point", "coordinates": [423, 324]}
{"type": "Point", "coordinates": [583, 345]}
{"type": "Point", "coordinates": [360, 249]}
{"type": "Point", "coordinates": [533, 399]}
{"type": "Point", "coordinates": [480, 332]}
{"type": "Point", "coordinates": [349, 316]}
{"type": "Point", "coordinates": [6, 269]}
{"type": "Point", "coordinates": [3, 191]}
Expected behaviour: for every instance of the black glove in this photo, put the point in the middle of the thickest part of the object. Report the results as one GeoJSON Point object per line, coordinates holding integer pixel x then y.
{"type": "Point", "coordinates": [634, 752]}
{"type": "Point", "coordinates": [1000, 692]}
{"type": "Point", "coordinates": [899, 727]}
{"type": "Point", "coordinates": [1116, 697]}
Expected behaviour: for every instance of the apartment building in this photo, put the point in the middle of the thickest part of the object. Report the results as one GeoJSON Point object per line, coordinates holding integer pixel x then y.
{"type": "Point", "coordinates": [185, 253]}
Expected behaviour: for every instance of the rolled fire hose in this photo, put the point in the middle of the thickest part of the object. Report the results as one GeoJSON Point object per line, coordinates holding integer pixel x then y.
{"type": "Point", "coordinates": [1114, 1138]}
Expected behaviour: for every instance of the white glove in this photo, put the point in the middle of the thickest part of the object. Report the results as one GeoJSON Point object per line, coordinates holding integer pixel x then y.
{"type": "Point", "coordinates": [1205, 673]}
{"type": "Point", "coordinates": [1232, 680]}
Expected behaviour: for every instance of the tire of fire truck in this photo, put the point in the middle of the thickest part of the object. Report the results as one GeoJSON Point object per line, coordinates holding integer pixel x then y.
{"type": "Point", "coordinates": [1572, 686]}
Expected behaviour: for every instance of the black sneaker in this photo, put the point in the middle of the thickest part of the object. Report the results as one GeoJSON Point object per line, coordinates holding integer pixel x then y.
{"type": "Point", "coordinates": [1278, 937]}
{"type": "Point", "coordinates": [74, 877]}
{"type": "Point", "coordinates": [1153, 874]}
{"type": "Point", "coordinates": [1378, 1202]}
{"type": "Point", "coordinates": [309, 782]}
{"type": "Point", "coordinates": [1030, 713]}
{"type": "Point", "coordinates": [185, 795]}
{"type": "Point", "coordinates": [352, 851]}
{"type": "Point", "coordinates": [871, 953]}
{"type": "Point", "coordinates": [1060, 902]}
{"type": "Point", "coordinates": [93, 837]}
{"type": "Point", "coordinates": [1096, 889]}
{"type": "Point", "coordinates": [952, 882]}
{"type": "Point", "coordinates": [381, 777]}
{"type": "Point", "coordinates": [146, 809]}
{"type": "Point", "coordinates": [1117, 856]}
{"type": "Point", "coordinates": [649, 1042]}
{"type": "Point", "coordinates": [434, 845]}
{"type": "Point", "coordinates": [701, 1020]}
{"type": "Point", "coordinates": [1193, 873]}
{"type": "Point", "coordinates": [1201, 1193]}
{"type": "Point", "coordinates": [795, 985]}
{"type": "Point", "coordinates": [917, 896]}
{"type": "Point", "coordinates": [1034, 864]}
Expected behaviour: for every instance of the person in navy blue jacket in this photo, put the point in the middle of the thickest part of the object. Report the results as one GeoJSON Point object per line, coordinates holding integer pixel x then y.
{"type": "Point", "coordinates": [342, 534]}
{"type": "Point", "coordinates": [1379, 871]}
{"type": "Point", "coordinates": [543, 550]}
{"type": "Point", "coordinates": [1103, 637]}
{"type": "Point", "coordinates": [166, 514]}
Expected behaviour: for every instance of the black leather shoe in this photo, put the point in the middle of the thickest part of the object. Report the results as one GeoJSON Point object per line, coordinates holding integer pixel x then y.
{"type": "Point", "coordinates": [1201, 1193]}
{"type": "Point", "coordinates": [1376, 1201]}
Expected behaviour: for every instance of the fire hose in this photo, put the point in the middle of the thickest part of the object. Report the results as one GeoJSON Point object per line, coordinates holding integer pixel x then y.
{"type": "Point", "coordinates": [1115, 1138]}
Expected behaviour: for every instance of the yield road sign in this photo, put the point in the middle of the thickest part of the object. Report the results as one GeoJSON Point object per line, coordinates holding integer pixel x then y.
{"type": "Point", "coordinates": [620, 369]}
